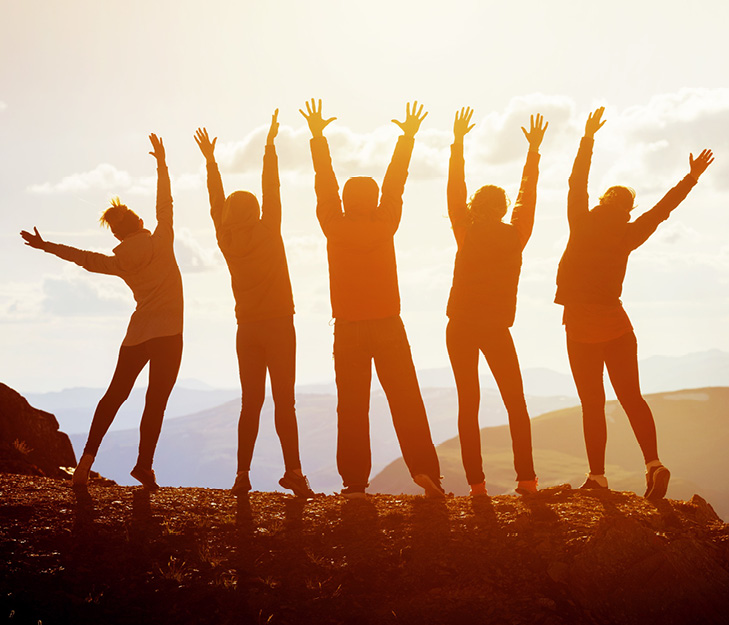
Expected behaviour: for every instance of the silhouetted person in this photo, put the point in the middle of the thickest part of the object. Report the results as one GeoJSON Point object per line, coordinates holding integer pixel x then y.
{"type": "Point", "coordinates": [146, 262]}
{"type": "Point", "coordinates": [599, 333]}
{"type": "Point", "coordinates": [366, 308]}
{"type": "Point", "coordinates": [250, 239]}
{"type": "Point", "coordinates": [482, 303]}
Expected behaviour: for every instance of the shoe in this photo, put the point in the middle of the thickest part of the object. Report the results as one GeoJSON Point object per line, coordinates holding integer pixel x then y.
{"type": "Point", "coordinates": [145, 477]}
{"type": "Point", "coordinates": [657, 482]}
{"type": "Point", "coordinates": [527, 487]}
{"type": "Point", "coordinates": [591, 484]}
{"type": "Point", "coordinates": [297, 482]}
{"type": "Point", "coordinates": [353, 492]}
{"type": "Point", "coordinates": [80, 475]}
{"type": "Point", "coordinates": [479, 490]}
{"type": "Point", "coordinates": [433, 489]}
{"type": "Point", "coordinates": [242, 484]}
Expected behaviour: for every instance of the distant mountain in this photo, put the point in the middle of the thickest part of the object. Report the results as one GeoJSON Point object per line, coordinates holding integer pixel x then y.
{"type": "Point", "coordinates": [693, 432]}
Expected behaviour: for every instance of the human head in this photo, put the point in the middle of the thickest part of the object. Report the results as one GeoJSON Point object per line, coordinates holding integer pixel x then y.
{"type": "Point", "coordinates": [121, 220]}
{"type": "Point", "coordinates": [241, 209]}
{"type": "Point", "coordinates": [489, 202]}
{"type": "Point", "coordinates": [360, 195]}
{"type": "Point", "coordinates": [619, 198]}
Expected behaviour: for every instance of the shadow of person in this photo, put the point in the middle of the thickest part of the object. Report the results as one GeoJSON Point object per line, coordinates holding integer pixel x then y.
{"type": "Point", "coordinates": [485, 513]}
{"type": "Point", "coordinates": [84, 513]}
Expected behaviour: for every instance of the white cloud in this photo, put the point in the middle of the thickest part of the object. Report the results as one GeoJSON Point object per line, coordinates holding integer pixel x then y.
{"type": "Point", "coordinates": [191, 256]}
{"type": "Point", "coordinates": [85, 296]}
{"type": "Point", "coordinates": [3, 106]}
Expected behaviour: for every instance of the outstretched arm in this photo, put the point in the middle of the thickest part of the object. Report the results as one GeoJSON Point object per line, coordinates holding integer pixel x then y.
{"type": "Point", "coordinates": [164, 193]}
{"type": "Point", "coordinates": [215, 182]}
{"type": "Point", "coordinates": [91, 261]}
{"type": "Point", "coordinates": [271, 209]}
{"type": "Point", "coordinates": [522, 217]}
{"type": "Point", "coordinates": [456, 190]}
{"type": "Point", "coordinates": [577, 199]}
{"type": "Point", "coordinates": [393, 185]}
{"type": "Point", "coordinates": [646, 224]}
{"type": "Point", "coordinates": [328, 202]}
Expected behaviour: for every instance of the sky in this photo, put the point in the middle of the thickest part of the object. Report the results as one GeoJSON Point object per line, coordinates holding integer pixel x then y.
{"type": "Point", "coordinates": [83, 83]}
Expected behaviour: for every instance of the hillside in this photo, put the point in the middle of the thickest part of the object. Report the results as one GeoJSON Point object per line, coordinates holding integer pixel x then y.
{"type": "Point", "coordinates": [693, 430]}
{"type": "Point", "coordinates": [191, 556]}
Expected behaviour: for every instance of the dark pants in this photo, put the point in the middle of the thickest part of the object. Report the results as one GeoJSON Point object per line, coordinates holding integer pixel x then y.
{"type": "Point", "coordinates": [621, 358]}
{"type": "Point", "coordinates": [269, 344]}
{"type": "Point", "coordinates": [464, 340]}
{"type": "Point", "coordinates": [356, 345]}
{"type": "Point", "coordinates": [163, 354]}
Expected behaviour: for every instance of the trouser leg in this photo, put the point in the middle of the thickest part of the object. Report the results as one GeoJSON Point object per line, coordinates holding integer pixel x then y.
{"type": "Point", "coordinates": [165, 355]}
{"type": "Point", "coordinates": [621, 359]}
{"type": "Point", "coordinates": [498, 348]}
{"type": "Point", "coordinates": [281, 361]}
{"type": "Point", "coordinates": [396, 372]}
{"type": "Point", "coordinates": [252, 370]}
{"type": "Point", "coordinates": [463, 353]}
{"type": "Point", "coordinates": [353, 369]}
{"type": "Point", "coordinates": [130, 362]}
{"type": "Point", "coordinates": [587, 363]}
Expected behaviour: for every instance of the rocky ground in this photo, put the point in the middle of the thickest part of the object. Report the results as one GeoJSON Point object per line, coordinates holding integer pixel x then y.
{"type": "Point", "coordinates": [189, 555]}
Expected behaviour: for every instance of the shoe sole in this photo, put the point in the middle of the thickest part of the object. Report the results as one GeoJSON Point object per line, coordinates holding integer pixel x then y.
{"type": "Point", "coordinates": [431, 490]}
{"type": "Point", "coordinates": [303, 494]}
{"type": "Point", "coordinates": [354, 495]}
{"type": "Point", "coordinates": [525, 492]}
{"type": "Point", "coordinates": [658, 490]}
{"type": "Point", "coordinates": [150, 486]}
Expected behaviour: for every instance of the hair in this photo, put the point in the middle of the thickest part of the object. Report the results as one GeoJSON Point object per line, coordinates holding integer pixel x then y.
{"type": "Point", "coordinates": [360, 195]}
{"type": "Point", "coordinates": [488, 203]}
{"type": "Point", "coordinates": [120, 219]}
{"type": "Point", "coordinates": [618, 197]}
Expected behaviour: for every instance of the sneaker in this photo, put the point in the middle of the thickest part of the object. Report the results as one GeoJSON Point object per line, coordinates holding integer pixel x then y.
{"type": "Point", "coordinates": [479, 490]}
{"type": "Point", "coordinates": [591, 484]}
{"type": "Point", "coordinates": [145, 477]}
{"type": "Point", "coordinates": [80, 475]}
{"type": "Point", "coordinates": [657, 482]}
{"type": "Point", "coordinates": [527, 487]}
{"type": "Point", "coordinates": [297, 482]}
{"type": "Point", "coordinates": [433, 489]}
{"type": "Point", "coordinates": [242, 484]}
{"type": "Point", "coordinates": [353, 492]}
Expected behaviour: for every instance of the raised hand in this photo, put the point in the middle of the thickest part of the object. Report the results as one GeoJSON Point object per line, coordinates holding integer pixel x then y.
{"type": "Point", "coordinates": [461, 125]}
{"type": "Point", "coordinates": [413, 119]}
{"type": "Point", "coordinates": [313, 117]}
{"type": "Point", "coordinates": [273, 130]}
{"type": "Point", "coordinates": [206, 146]}
{"type": "Point", "coordinates": [34, 240]}
{"type": "Point", "coordinates": [699, 164]}
{"type": "Point", "coordinates": [158, 148]}
{"type": "Point", "coordinates": [535, 134]}
{"type": "Point", "coordinates": [594, 122]}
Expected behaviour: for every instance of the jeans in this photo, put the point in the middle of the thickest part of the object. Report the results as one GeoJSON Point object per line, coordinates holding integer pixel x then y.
{"type": "Point", "coordinates": [620, 355]}
{"type": "Point", "coordinates": [268, 344]}
{"type": "Point", "coordinates": [464, 340]}
{"type": "Point", "coordinates": [356, 345]}
{"type": "Point", "coordinates": [163, 354]}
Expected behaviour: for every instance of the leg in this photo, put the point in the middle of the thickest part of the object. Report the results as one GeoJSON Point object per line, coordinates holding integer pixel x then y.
{"type": "Point", "coordinates": [353, 369]}
{"type": "Point", "coordinates": [621, 359]}
{"type": "Point", "coordinates": [281, 362]}
{"type": "Point", "coordinates": [498, 348]}
{"type": "Point", "coordinates": [586, 362]}
{"type": "Point", "coordinates": [395, 369]}
{"type": "Point", "coordinates": [165, 354]}
{"type": "Point", "coordinates": [252, 369]}
{"type": "Point", "coordinates": [131, 361]}
{"type": "Point", "coordinates": [463, 354]}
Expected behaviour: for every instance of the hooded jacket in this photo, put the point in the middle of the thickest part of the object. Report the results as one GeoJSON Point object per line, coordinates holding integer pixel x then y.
{"type": "Point", "coordinates": [488, 260]}
{"type": "Point", "coordinates": [146, 262]}
{"type": "Point", "coordinates": [252, 245]}
{"type": "Point", "coordinates": [360, 245]}
{"type": "Point", "coordinates": [592, 268]}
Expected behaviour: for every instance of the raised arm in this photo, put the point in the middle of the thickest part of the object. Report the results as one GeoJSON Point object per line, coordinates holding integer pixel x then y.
{"type": "Point", "coordinates": [271, 209]}
{"type": "Point", "coordinates": [328, 201]}
{"type": "Point", "coordinates": [522, 217]}
{"type": "Point", "coordinates": [456, 190]}
{"type": "Point", "coordinates": [91, 261]}
{"type": "Point", "coordinates": [164, 193]}
{"type": "Point", "coordinates": [646, 224]}
{"type": "Point", "coordinates": [393, 185]}
{"type": "Point", "coordinates": [577, 199]}
{"type": "Point", "coordinates": [215, 182]}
